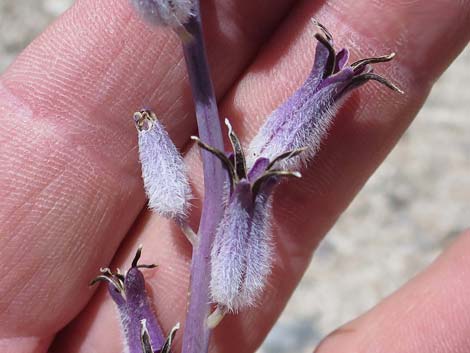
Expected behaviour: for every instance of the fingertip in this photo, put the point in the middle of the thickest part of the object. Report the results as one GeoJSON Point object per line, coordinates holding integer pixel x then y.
{"type": "Point", "coordinates": [429, 314]}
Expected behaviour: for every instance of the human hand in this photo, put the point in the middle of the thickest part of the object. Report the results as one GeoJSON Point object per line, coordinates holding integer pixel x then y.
{"type": "Point", "coordinates": [70, 185]}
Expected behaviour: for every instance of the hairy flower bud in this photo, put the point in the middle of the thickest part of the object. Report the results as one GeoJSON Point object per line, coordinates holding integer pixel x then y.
{"type": "Point", "coordinates": [163, 170]}
{"type": "Point", "coordinates": [242, 252]}
{"type": "Point", "coordinates": [229, 252]}
{"type": "Point", "coordinates": [305, 118]}
{"type": "Point", "coordinates": [242, 249]}
{"type": "Point", "coordinates": [140, 327]}
{"type": "Point", "coordinates": [172, 13]}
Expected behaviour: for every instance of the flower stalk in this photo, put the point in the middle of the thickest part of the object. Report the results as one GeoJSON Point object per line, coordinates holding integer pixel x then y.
{"type": "Point", "coordinates": [184, 17]}
{"type": "Point", "coordinates": [197, 332]}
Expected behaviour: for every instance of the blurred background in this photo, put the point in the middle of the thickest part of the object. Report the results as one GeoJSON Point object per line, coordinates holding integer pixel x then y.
{"type": "Point", "coordinates": [411, 209]}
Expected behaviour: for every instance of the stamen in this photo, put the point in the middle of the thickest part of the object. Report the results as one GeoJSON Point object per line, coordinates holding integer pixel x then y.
{"type": "Point", "coordinates": [325, 31]}
{"type": "Point", "coordinates": [239, 157]}
{"type": "Point", "coordinates": [106, 271]}
{"type": "Point", "coordinates": [169, 341]}
{"type": "Point", "coordinates": [105, 278]}
{"type": "Point", "coordinates": [145, 338]}
{"type": "Point", "coordinates": [119, 276]}
{"type": "Point", "coordinates": [135, 262]}
{"type": "Point", "coordinates": [137, 256]}
{"type": "Point", "coordinates": [374, 60]}
{"type": "Point", "coordinates": [273, 173]}
{"type": "Point", "coordinates": [147, 266]}
{"type": "Point", "coordinates": [359, 80]}
{"type": "Point", "coordinates": [286, 155]}
{"type": "Point", "coordinates": [330, 66]}
{"type": "Point", "coordinates": [219, 154]}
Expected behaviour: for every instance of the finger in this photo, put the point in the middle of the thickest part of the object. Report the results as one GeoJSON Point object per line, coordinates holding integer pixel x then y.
{"type": "Point", "coordinates": [429, 314]}
{"type": "Point", "coordinates": [365, 130]}
{"type": "Point", "coordinates": [69, 183]}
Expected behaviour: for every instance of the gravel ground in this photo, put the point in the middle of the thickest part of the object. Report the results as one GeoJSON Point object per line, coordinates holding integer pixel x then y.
{"type": "Point", "coordinates": [412, 207]}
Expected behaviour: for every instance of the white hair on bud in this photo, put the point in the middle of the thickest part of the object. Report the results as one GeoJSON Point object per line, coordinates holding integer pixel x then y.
{"type": "Point", "coordinates": [172, 13]}
{"type": "Point", "coordinates": [259, 251]}
{"type": "Point", "coordinates": [163, 171]}
{"type": "Point", "coordinates": [228, 255]}
{"type": "Point", "coordinates": [241, 256]}
{"type": "Point", "coordinates": [298, 123]}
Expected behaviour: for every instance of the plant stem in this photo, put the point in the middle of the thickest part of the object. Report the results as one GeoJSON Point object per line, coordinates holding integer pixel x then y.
{"type": "Point", "coordinates": [196, 332]}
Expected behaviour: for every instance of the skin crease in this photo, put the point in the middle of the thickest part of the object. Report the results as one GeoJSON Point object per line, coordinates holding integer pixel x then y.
{"type": "Point", "coordinates": [95, 197]}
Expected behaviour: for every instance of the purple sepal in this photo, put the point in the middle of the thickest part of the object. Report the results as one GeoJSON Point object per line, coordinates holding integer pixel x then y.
{"type": "Point", "coordinates": [306, 117]}
{"type": "Point", "coordinates": [342, 59]}
{"type": "Point", "coordinates": [258, 169]}
{"type": "Point", "coordinates": [138, 309]}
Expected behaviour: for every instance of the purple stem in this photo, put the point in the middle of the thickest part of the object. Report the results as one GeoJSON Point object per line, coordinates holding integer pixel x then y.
{"type": "Point", "coordinates": [196, 333]}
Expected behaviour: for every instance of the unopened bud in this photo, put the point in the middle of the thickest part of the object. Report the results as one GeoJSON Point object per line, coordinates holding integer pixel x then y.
{"type": "Point", "coordinates": [163, 170]}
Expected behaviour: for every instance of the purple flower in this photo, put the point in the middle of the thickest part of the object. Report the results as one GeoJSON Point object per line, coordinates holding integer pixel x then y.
{"type": "Point", "coordinates": [141, 329]}
{"type": "Point", "coordinates": [163, 170]}
{"type": "Point", "coordinates": [172, 13]}
{"type": "Point", "coordinates": [305, 118]}
{"type": "Point", "coordinates": [241, 253]}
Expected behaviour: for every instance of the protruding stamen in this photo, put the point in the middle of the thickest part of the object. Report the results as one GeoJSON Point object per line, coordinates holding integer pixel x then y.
{"type": "Point", "coordinates": [219, 154]}
{"type": "Point", "coordinates": [239, 157]}
{"type": "Point", "coordinates": [273, 173]}
{"type": "Point", "coordinates": [147, 266]}
{"type": "Point", "coordinates": [137, 256]}
{"type": "Point", "coordinates": [358, 80]}
{"type": "Point", "coordinates": [105, 278]}
{"type": "Point", "coordinates": [331, 64]}
{"type": "Point", "coordinates": [286, 155]}
{"type": "Point", "coordinates": [325, 30]}
{"type": "Point", "coordinates": [374, 60]}
{"type": "Point", "coordinates": [145, 338]}
{"type": "Point", "coordinates": [120, 276]}
{"type": "Point", "coordinates": [106, 271]}
{"type": "Point", "coordinates": [216, 317]}
{"type": "Point", "coordinates": [169, 341]}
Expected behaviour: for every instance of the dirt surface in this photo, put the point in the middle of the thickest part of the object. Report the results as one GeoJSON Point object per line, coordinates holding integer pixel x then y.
{"type": "Point", "coordinates": [412, 207]}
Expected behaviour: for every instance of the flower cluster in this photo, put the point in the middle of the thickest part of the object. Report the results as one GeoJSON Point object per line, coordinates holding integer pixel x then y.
{"type": "Point", "coordinates": [241, 254]}
{"type": "Point", "coordinates": [234, 245]}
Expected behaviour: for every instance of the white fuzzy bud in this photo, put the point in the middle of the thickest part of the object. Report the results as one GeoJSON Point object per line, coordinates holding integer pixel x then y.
{"type": "Point", "coordinates": [163, 170]}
